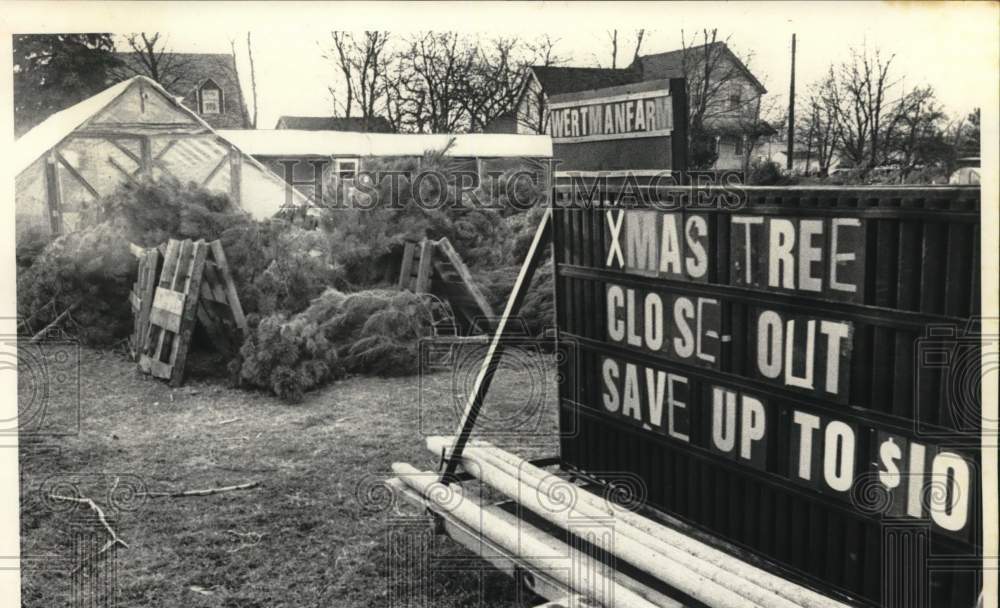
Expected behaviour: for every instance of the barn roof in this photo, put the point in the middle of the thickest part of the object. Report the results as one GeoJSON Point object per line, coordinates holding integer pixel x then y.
{"type": "Point", "coordinates": [46, 134]}
{"type": "Point", "coordinates": [50, 132]}
{"type": "Point", "coordinates": [289, 142]}
{"type": "Point", "coordinates": [375, 124]}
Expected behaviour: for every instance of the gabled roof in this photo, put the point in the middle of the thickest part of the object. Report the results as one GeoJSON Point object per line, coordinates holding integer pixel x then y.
{"type": "Point", "coordinates": [289, 142]}
{"type": "Point", "coordinates": [50, 132]}
{"type": "Point", "coordinates": [556, 80]}
{"type": "Point", "coordinates": [188, 73]}
{"type": "Point", "coordinates": [671, 63]}
{"type": "Point", "coordinates": [376, 124]}
{"type": "Point", "coordinates": [46, 134]}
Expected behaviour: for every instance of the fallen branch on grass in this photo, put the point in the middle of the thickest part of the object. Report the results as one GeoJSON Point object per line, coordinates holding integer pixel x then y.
{"type": "Point", "coordinates": [206, 492]}
{"type": "Point", "coordinates": [55, 323]}
{"type": "Point", "coordinates": [247, 539]}
{"type": "Point", "coordinates": [114, 540]}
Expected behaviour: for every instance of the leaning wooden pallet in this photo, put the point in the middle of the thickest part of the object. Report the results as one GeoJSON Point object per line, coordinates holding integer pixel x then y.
{"type": "Point", "coordinates": [141, 296]}
{"type": "Point", "coordinates": [193, 286]}
{"type": "Point", "coordinates": [174, 309]}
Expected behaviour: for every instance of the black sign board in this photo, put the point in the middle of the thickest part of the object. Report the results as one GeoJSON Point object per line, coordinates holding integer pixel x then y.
{"type": "Point", "coordinates": [763, 368]}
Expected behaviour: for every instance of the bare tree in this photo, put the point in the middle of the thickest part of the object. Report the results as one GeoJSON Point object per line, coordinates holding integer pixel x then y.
{"type": "Point", "coordinates": [639, 35]}
{"type": "Point", "coordinates": [613, 34]}
{"type": "Point", "coordinates": [152, 57]}
{"type": "Point", "coordinates": [818, 129]}
{"type": "Point", "coordinates": [440, 63]}
{"type": "Point", "coordinates": [252, 119]}
{"type": "Point", "coordinates": [363, 63]}
{"type": "Point", "coordinates": [530, 111]}
{"type": "Point", "coordinates": [718, 98]}
{"type": "Point", "coordinates": [920, 139]}
{"type": "Point", "coordinates": [253, 81]}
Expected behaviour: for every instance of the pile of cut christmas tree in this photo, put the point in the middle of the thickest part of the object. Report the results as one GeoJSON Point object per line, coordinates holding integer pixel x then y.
{"type": "Point", "coordinates": [317, 298]}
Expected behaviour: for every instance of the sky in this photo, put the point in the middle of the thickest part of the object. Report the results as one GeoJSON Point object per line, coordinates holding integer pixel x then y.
{"type": "Point", "coordinates": [952, 47]}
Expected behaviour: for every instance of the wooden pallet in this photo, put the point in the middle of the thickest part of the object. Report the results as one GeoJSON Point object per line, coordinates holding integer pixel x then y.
{"type": "Point", "coordinates": [173, 313]}
{"type": "Point", "coordinates": [195, 286]}
{"type": "Point", "coordinates": [435, 267]}
{"type": "Point", "coordinates": [219, 308]}
{"type": "Point", "coordinates": [141, 296]}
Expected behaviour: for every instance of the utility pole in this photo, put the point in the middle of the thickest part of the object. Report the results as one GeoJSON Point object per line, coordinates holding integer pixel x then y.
{"type": "Point", "coordinates": [791, 112]}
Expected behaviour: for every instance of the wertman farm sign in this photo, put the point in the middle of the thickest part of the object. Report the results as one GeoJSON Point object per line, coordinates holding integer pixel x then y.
{"type": "Point", "coordinates": [623, 116]}
{"type": "Point", "coordinates": [638, 127]}
{"type": "Point", "coordinates": [765, 372]}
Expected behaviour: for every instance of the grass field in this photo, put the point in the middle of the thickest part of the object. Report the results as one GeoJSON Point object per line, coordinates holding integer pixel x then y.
{"type": "Point", "coordinates": [309, 535]}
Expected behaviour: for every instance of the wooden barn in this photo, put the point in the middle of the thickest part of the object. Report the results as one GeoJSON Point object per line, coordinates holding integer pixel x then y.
{"type": "Point", "coordinates": [134, 128]}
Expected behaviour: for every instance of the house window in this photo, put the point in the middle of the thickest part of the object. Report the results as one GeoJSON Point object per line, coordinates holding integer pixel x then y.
{"type": "Point", "coordinates": [735, 98]}
{"type": "Point", "coordinates": [346, 168]}
{"type": "Point", "coordinates": [738, 145]}
{"type": "Point", "coordinates": [211, 100]}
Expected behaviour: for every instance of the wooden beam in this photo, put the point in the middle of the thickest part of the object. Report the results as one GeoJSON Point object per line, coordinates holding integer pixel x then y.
{"type": "Point", "coordinates": [214, 171]}
{"type": "Point", "coordinates": [124, 150]}
{"type": "Point", "coordinates": [219, 256]}
{"type": "Point", "coordinates": [191, 290]}
{"type": "Point", "coordinates": [163, 152]}
{"type": "Point", "coordinates": [543, 234]}
{"type": "Point", "coordinates": [125, 172]}
{"type": "Point", "coordinates": [423, 284]}
{"type": "Point", "coordinates": [409, 249]}
{"type": "Point", "coordinates": [76, 175]}
{"type": "Point", "coordinates": [236, 176]}
{"type": "Point", "coordinates": [463, 271]}
{"type": "Point", "coordinates": [146, 152]}
{"type": "Point", "coordinates": [53, 195]}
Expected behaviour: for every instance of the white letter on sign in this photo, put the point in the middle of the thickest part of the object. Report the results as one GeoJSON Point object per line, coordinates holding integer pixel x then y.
{"type": "Point", "coordinates": [838, 456]}
{"type": "Point", "coordinates": [753, 425]}
{"type": "Point", "coordinates": [809, 254]}
{"type": "Point", "coordinates": [615, 228]}
{"type": "Point", "coordinates": [951, 470]}
{"type": "Point", "coordinates": [653, 314]}
{"type": "Point", "coordinates": [807, 424]}
{"type": "Point", "coordinates": [610, 386]}
{"type": "Point", "coordinates": [697, 264]}
{"type": "Point", "coordinates": [616, 299]}
{"type": "Point", "coordinates": [723, 419]}
{"type": "Point", "coordinates": [781, 262]}
{"type": "Point", "coordinates": [791, 379]}
{"type": "Point", "coordinates": [769, 344]}
{"type": "Point", "coordinates": [674, 404]}
{"type": "Point", "coordinates": [836, 258]}
{"type": "Point", "coordinates": [836, 332]}
{"type": "Point", "coordinates": [670, 251]}
{"type": "Point", "coordinates": [747, 220]}
{"type": "Point", "coordinates": [915, 487]}
{"type": "Point", "coordinates": [630, 403]}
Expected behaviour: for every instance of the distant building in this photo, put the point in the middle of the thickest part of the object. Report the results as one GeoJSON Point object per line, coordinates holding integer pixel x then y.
{"type": "Point", "coordinates": [376, 124]}
{"type": "Point", "coordinates": [206, 83]}
{"type": "Point", "coordinates": [312, 160]}
{"type": "Point", "coordinates": [732, 111]}
{"type": "Point", "coordinates": [804, 160]}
